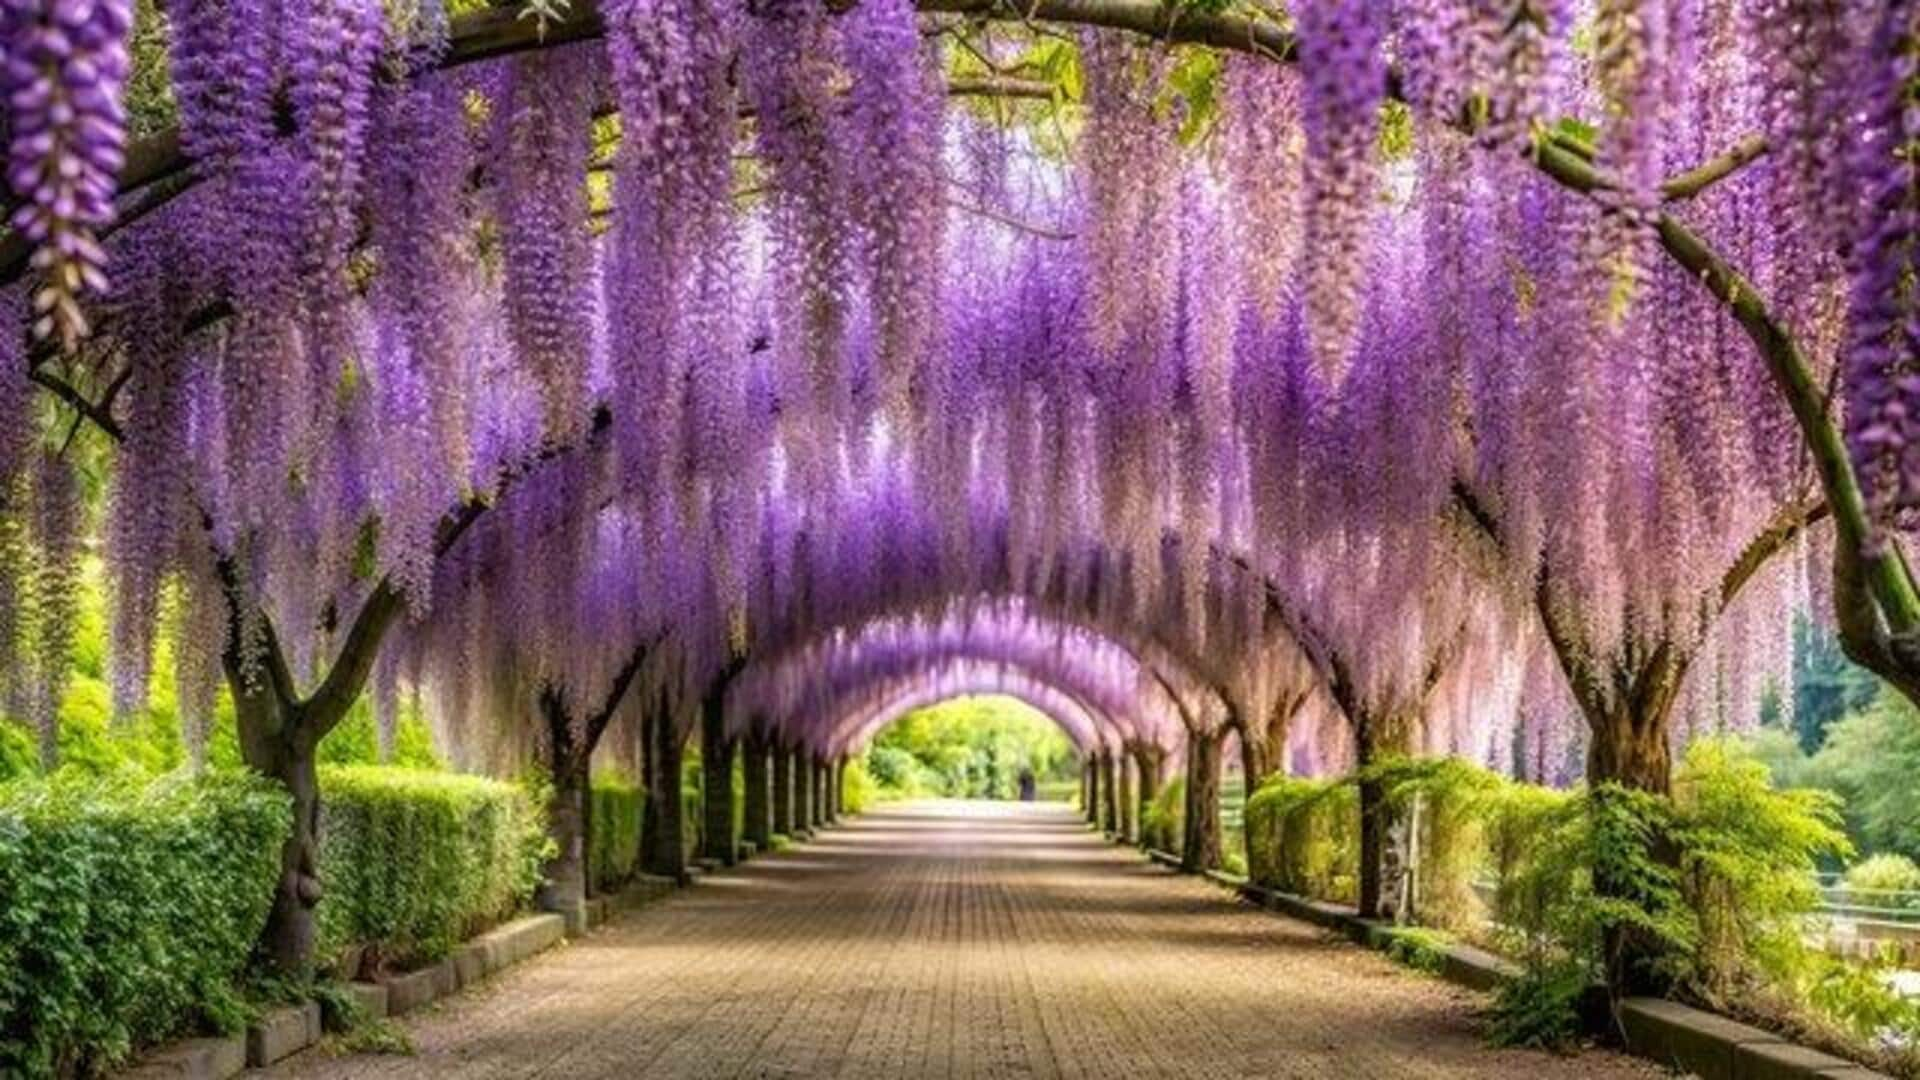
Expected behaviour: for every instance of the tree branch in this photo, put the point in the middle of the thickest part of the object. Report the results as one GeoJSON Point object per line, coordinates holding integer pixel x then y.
{"type": "Point", "coordinates": [101, 416]}
{"type": "Point", "coordinates": [1781, 531]}
{"type": "Point", "coordinates": [1710, 172]}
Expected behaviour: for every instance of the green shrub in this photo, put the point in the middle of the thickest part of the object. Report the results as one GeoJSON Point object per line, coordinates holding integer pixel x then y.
{"type": "Point", "coordinates": [128, 910]}
{"type": "Point", "coordinates": [613, 833]}
{"type": "Point", "coordinates": [1534, 851]}
{"type": "Point", "coordinates": [1419, 947]}
{"type": "Point", "coordinates": [857, 786]}
{"type": "Point", "coordinates": [1540, 1009]}
{"type": "Point", "coordinates": [1164, 825]}
{"type": "Point", "coordinates": [412, 862]}
{"type": "Point", "coordinates": [1449, 799]}
{"type": "Point", "coordinates": [1303, 837]}
{"type": "Point", "coordinates": [1875, 881]}
{"type": "Point", "coordinates": [1747, 858]}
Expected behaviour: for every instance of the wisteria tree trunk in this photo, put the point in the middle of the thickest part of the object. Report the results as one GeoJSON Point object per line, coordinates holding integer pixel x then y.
{"type": "Point", "coordinates": [758, 803]}
{"type": "Point", "coordinates": [565, 873]}
{"type": "Point", "coordinates": [1148, 763]}
{"type": "Point", "coordinates": [1086, 790]}
{"type": "Point", "coordinates": [279, 733]}
{"type": "Point", "coordinates": [802, 789]}
{"type": "Point", "coordinates": [783, 818]}
{"type": "Point", "coordinates": [823, 794]}
{"type": "Point", "coordinates": [1377, 736]}
{"type": "Point", "coordinates": [1129, 828]}
{"type": "Point", "coordinates": [278, 743]}
{"type": "Point", "coordinates": [837, 786]}
{"type": "Point", "coordinates": [1110, 792]}
{"type": "Point", "coordinates": [1629, 747]}
{"type": "Point", "coordinates": [1200, 847]}
{"type": "Point", "coordinates": [716, 764]}
{"type": "Point", "coordinates": [662, 840]}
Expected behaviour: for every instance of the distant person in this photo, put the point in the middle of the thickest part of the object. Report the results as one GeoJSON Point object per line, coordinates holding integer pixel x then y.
{"type": "Point", "coordinates": [1027, 786]}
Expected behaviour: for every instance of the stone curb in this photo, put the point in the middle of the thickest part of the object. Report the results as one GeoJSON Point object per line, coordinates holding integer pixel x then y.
{"type": "Point", "coordinates": [1676, 1036]}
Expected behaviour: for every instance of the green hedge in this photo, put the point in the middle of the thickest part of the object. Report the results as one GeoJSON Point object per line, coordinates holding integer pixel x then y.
{"type": "Point", "coordinates": [613, 836]}
{"type": "Point", "coordinates": [1303, 837]}
{"type": "Point", "coordinates": [412, 862]}
{"type": "Point", "coordinates": [1164, 827]}
{"type": "Point", "coordinates": [128, 910]}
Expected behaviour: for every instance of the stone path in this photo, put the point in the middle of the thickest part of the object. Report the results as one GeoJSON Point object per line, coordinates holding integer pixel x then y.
{"type": "Point", "coordinates": [957, 940]}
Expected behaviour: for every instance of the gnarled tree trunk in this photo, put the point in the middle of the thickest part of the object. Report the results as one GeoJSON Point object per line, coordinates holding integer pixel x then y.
{"type": "Point", "coordinates": [662, 841]}
{"type": "Point", "coordinates": [277, 744]}
{"type": "Point", "coordinates": [1377, 736]}
{"type": "Point", "coordinates": [564, 889]}
{"type": "Point", "coordinates": [783, 819]}
{"type": "Point", "coordinates": [758, 802]}
{"type": "Point", "coordinates": [1629, 747]}
{"type": "Point", "coordinates": [1109, 793]}
{"type": "Point", "coordinates": [1148, 763]}
{"type": "Point", "coordinates": [1200, 847]}
{"type": "Point", "coordinates": [803, 788]}
{"type": "Point", "coordinates": [716, 789]}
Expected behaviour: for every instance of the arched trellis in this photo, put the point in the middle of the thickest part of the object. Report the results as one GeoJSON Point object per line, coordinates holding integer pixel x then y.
{"type": "Point", "coordinates": [865, 712]}
{"type": "Point", "coordinates": [1880, 603]}
{"type": "Point", "coordinates": [1157, 25]}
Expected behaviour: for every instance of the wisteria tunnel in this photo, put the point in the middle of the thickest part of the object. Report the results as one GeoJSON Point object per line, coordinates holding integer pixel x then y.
{"type": "Point", "coordinates": [960, 537]}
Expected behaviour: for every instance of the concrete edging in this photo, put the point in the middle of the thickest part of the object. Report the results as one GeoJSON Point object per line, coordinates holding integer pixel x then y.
{"type": "Point", "coordinates": [1677, 1036]}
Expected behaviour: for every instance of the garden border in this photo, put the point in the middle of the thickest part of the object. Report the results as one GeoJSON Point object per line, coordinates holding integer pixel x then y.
{"type": "Point", "coordinates": [282, 1032]}
{"type": "Point", "coordinates": [1677, 1036]}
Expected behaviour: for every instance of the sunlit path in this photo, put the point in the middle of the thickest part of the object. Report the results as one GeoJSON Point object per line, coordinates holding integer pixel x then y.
{"type": "Point", "coordinates": [958, 939]}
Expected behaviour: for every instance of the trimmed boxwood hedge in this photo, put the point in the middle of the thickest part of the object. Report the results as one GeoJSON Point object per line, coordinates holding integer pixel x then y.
{"type": "Point", "coordinates": [128, 910]}
{"type": "Point", "coordinates": [414, 862]}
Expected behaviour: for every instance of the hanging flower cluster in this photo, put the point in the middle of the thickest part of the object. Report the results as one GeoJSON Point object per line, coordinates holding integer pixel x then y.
{"type": "Point", "coordinates": [63, 65]}
{"type": "Point", "coordinates": [1310, 424]}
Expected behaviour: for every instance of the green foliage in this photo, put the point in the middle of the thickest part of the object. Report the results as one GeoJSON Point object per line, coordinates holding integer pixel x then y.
{"type": "Point", "coordinates": [1419, 947]}
{"type": "Point", "coordinates": [413, 862]}
{"type": "Point", "coordinates": [1873, 881]}
{"type": "Point", "coordinates": [1540, 1009]}
{"type": "Point", "coordinates": [376, 1036]}
{"type": "Point", "coordinates": [858, 789]}
{"type": "Point", "coordinates": [1747, 856]}
{"type": "Point", "coordinates": [1450, 800]}
{"type": "Point", "coordinates": [1303, 837]}
{"type": "Point", "coordinates": [1826, 685]}
{"type": "Point", "coordinates": [1870, 759]}
{"type": "Point", "coordinates": [356, 739]}
{"type": "Point", "coordinates": [1164, 824]}
{"type": "Point", "coordinates": [967, 748]}
{"type": "Point", "coordinates": [18, 756]}
{"type": "Point", "coordinates": [1706, 893]}
{"type": "Point", "coordinates": [613, 833]}
{"type": "Point", "coordinates": [1858, 998]}
{"type": "Point", "coordinates": [128, 910]}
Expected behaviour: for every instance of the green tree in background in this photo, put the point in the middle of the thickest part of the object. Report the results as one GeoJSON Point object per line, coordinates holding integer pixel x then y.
{"type": "Point", "coordinates": [1826, 685]}
{"type": "Point", "coordinates": [968, 748]}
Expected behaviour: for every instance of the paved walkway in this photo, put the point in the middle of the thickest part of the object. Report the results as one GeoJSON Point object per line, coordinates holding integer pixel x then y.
{"type": "Point", "coordinates": [957, 940]}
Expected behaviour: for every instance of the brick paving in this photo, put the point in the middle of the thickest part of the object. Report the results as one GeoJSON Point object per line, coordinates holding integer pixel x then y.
{"type": "Point", "coordinates": [957, 940]}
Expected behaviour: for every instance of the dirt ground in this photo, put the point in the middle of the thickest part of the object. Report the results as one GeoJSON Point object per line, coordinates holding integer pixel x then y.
{"type": "Point", "coordinates": [957, 940]}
